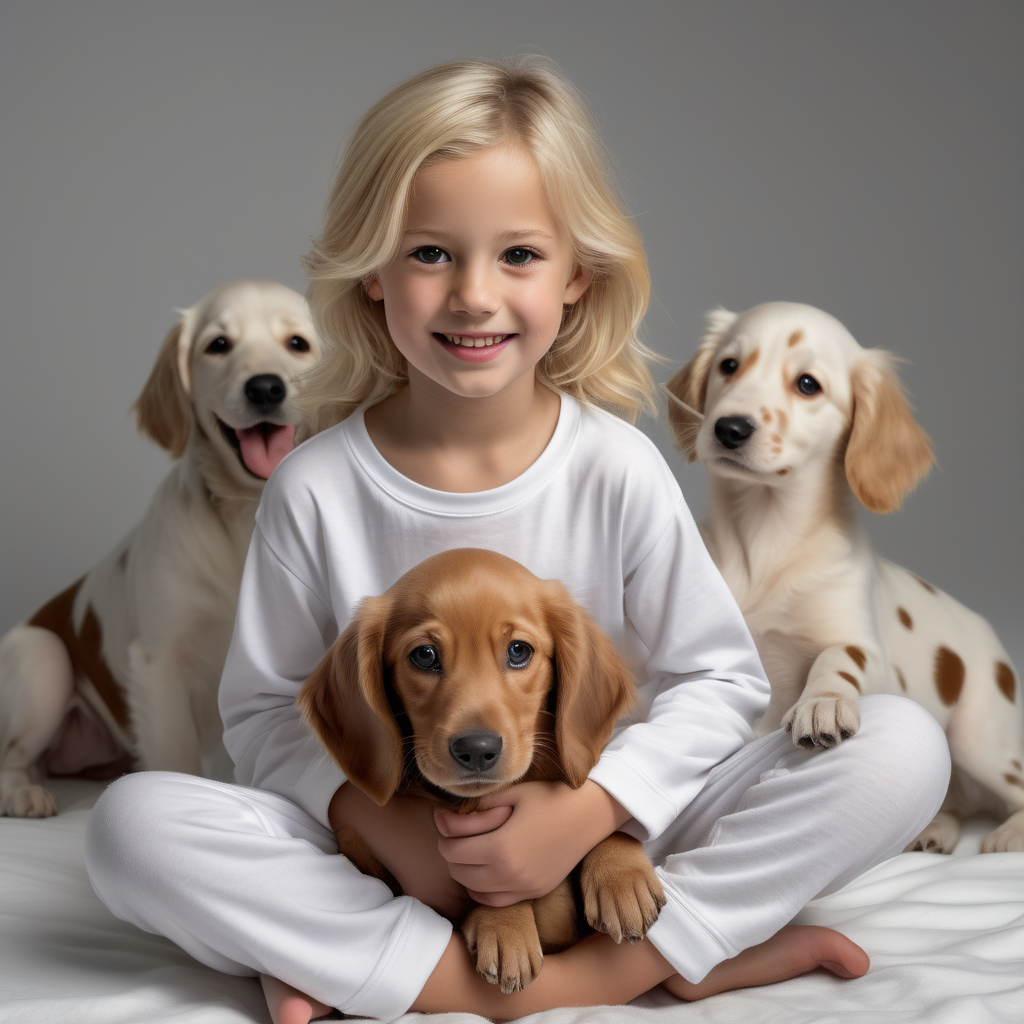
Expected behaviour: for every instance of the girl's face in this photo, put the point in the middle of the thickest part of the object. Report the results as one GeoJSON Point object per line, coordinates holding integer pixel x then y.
{"type": "Point", "coordinates": [475, 296]}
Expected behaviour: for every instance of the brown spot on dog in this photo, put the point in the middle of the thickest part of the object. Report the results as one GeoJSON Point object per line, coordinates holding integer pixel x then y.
{"type": "Point", "coordinates": [766, 415]}
{"type": "Point", "coordinates": [85, 648]}
{"type": "Point", "coordinates": [849, 679]}
{"type": "Point", "coordinates": [902, 681]}
{"type": "Point", "coordinates": [1013, 780]}
{"type": "Point", "coordinates": [949, 675]}
{"type": "Point", "coordinates": [776, 439]}
{"type": "Point", "coordinates": [927, 586]}
{"type": "Point", "coordinates": [1017, 765]}
{"type": "Point", "coordinates": [795, 338]}
{"type": "Point", "coordinates": [782, 418]}
{"type": "Point", "coordinates": [783, 472]}
{"type": "Point", "coordinates": [1005, 681]}
{"type": "Point", "coordinates": [858, 656]}
{"type": "Point", "coordinates": [905, 617]}
{"type": "Point", "coordinates": [747, 364]}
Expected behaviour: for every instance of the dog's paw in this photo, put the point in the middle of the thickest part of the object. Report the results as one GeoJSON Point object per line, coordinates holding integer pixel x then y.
{"type": "Point", "coordinates": [30, 801]}
{"type": "Point", "coordinates": [506, 945]}
{"type": "Point", "coordinates": [1008, 838]}
{"type": "Point", "coordinates": [822, 721]}
{"type": "Point", "coordinates": [941, 835]}
{"type": "Point", "coordinates": [622, 895]}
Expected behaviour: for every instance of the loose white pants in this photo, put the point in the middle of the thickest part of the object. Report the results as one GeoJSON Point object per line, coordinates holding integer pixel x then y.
{"type": "Point", "coordinates": [245, 881]}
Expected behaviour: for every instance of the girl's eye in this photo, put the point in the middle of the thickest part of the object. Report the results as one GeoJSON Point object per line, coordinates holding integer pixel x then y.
{"type": "Point", "coordinates": [518, 257]}
{"type": "Point", "coordinates": [519, 654]}
{"type": "Point", "coordinates": [297, 344]}
{"type": "Point", "coordinates": [728, 366]}
{"type": "Point", "coordinates": [807, 385]}
{"type": "Point", "coordinates": [426, 658]}
{"type": "Point", "coordinates": [431, 254]}
{"type": "Point", "coordinates": [218, 346]}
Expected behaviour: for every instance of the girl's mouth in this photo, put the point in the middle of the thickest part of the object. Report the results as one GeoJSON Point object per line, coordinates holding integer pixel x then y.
{"type": "Point", "coordinates": [477, 348]}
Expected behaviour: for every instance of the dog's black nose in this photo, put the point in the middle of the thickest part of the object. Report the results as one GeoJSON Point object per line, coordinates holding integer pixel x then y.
{"type": "Point", "coordinates": [733, 431]}
{"type": "Point", "coordinates": [265, 389]}
{"type": "Point", "coordinates": [476, 751]}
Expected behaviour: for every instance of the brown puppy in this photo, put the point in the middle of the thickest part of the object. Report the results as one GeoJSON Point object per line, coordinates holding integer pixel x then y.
{"type": "Point", "coordinates": [470, 674]}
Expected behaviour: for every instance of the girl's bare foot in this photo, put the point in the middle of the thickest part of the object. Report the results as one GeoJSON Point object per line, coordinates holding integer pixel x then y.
{"type": "Point", "coordinates": [787, 954]}
{"type": "Point", "coordinates": [288, 1005]}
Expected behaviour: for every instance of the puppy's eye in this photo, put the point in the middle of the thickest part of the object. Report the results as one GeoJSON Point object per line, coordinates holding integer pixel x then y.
{"type": "Point", "coordinates": [807, 385]}
{"type": "Point", "coordinates": [519, 654]}
{"type": "Point", "coordinates": [297, 344]}
{"type": "Point", "coordinates": [218, 346]}
{"type": "Point", "coordinates": [728, 366]}
{"type": "Point", "coordinates": [426, 659]}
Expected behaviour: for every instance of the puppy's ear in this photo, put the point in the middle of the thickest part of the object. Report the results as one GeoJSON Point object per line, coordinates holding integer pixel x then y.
{"type": "Point", "coordinates": [887, 454]}
{"type": "Point", "coordinates": [163, 410]}
{"type": "Point", "coordinates": [345, 703]}
{"type": "Point", "coordinates": [594, 685]}
{"type": "Point", "coordinates": [690, 384]}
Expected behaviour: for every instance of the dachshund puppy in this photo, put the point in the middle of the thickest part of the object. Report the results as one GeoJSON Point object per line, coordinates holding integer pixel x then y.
{"type": "Point", "coordinates": [120, 671]}
{"type": "Point", "coordinates": [468, 675]}
{"type": "Point", "coordinates": [793, 421]}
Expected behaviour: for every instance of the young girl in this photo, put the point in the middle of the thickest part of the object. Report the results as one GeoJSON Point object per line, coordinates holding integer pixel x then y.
{"type": "Point", "coordinates": [481, 287]}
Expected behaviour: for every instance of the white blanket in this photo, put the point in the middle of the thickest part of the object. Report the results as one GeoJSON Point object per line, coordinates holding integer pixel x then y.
{"type": "Point", "coordinates": [945, 936]}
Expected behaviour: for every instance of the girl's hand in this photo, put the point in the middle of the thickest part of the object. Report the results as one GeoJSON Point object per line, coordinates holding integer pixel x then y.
{"type": "Point", "coordinates": [403, 837]}
{"type": "Point", "coordinates": [549, 830]}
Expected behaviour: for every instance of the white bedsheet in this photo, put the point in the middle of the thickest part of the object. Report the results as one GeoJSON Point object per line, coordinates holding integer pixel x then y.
{"type": "Point", "coordinates": [945, 935]}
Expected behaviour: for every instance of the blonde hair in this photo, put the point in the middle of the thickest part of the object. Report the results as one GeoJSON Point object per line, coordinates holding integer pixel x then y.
{"type": "Point", "coordinates": [453, 110]}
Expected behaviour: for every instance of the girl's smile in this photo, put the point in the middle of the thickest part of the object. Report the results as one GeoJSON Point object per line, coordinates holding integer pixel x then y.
{"type": "Point", "coordinates": [476, 294]}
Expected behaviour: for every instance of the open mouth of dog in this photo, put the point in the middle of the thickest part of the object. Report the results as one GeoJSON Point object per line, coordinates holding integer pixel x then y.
{"type": "Point", "coordinates": [260, 448]}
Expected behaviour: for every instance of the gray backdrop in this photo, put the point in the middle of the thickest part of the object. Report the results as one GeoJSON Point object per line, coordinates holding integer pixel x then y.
{"type": "Point", "coordinates": [865, 157]}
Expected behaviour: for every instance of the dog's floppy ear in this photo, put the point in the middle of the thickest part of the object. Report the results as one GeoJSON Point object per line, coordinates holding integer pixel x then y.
{"type": "Point", "coordinates": [593, 686]}
{"type": "Point", "coordinates": [690, 384]}
{"type": "Point", "coordinates": [163, 410]}
{"type": "Point", "coordinates": [887, 454]}
{"type": "Point", "coordinates": [345, 703]}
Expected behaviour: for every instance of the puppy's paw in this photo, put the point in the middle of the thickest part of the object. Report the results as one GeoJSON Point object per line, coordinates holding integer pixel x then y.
{"type": "Point", "coordinates": [506, 945]}
{"type": "Point", "coordinates": [622, 895]}
{"type": "Point", "coordinates": [1008, 838]}
{"type": "Point", "coordinates": [822, 721]}
{"type": "Point", "coordinates": [30, 801]}
{"type": "Point", "coordinates": [941, 835]}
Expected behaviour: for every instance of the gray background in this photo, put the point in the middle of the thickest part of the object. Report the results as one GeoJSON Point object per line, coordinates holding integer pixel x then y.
{"type": "Point", "coordinates": [865, 157]}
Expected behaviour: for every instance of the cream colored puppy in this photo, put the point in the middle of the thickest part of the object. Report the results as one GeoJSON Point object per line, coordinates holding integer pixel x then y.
{"type": "Point", "coordinates": [121, 670]}
{"type": "Point", "coordinates": [793, 421]}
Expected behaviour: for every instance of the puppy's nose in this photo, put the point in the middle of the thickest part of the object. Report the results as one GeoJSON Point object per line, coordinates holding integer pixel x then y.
{"type": "Point", "coordinates": [265, 389]}
{"type": "Point", "coordinates": [733, 431]}
{"type": "Point", "coordinates": [476, 751]}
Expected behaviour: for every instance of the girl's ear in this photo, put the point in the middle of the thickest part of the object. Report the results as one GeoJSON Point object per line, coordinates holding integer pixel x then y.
{"type": "Point", "coordinates": [373, 288]}
{"type": "Point", "coordinates": [164, 409]}
{"type": "Point", "coordinates": [887, 454]}
{"type": "Point", "coordinates": [578, 284]}
{"type": "Point", "coordinates": [690, 384]}
{"type": "Point", "coordinates": [346, 706]}
{"type": "Point", "coordinates": [593, 685]}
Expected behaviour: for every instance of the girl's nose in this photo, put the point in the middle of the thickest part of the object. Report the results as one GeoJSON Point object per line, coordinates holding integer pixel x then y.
{"type": "Point", "coordinates": [474, 292]}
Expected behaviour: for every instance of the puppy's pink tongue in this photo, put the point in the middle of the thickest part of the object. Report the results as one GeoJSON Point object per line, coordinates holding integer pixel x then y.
{"type": "Point", "coordinates": [264, 446]}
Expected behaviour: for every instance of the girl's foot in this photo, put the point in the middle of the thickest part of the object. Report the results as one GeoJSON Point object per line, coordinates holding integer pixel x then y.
{"type": "Point", "coordinates": [288, 1005]}
{"type": "Point", "coordinates": [787, 954]}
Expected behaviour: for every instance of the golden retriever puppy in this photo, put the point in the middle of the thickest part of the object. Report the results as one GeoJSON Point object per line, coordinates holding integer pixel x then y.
{"type": "Point", "coordinates": [794, 422]}
{"type": "Point", "coordinates": [121, 670]}
{"type": "Point", "coordinates": [468, 675]}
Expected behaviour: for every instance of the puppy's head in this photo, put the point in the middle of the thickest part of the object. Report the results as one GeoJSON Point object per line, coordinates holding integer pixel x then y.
{"type": "Point", "coordinates": [228, 372]}
{"type": "Point", "coordinates": [784, 387]}
{"type": "Point", "coordinates": [476, 667]}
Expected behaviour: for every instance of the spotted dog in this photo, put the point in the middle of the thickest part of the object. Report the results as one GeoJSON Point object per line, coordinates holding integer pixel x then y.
{"type": "Point", "coordinates": [794, 422]}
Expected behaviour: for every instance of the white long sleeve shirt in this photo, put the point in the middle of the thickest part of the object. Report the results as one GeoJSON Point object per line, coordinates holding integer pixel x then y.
{"type": "Point", "coordinates": [599, 510]}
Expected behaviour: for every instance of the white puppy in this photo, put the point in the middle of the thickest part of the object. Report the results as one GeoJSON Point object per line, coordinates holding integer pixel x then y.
{"type": "Point", "coordinates": [121, 670]}
{"type": "Point", "coordinates": [792, 420]}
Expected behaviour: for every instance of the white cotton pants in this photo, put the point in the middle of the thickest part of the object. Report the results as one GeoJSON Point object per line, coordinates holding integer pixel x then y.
{"type": "Point", "coordinates": [245, 881]}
